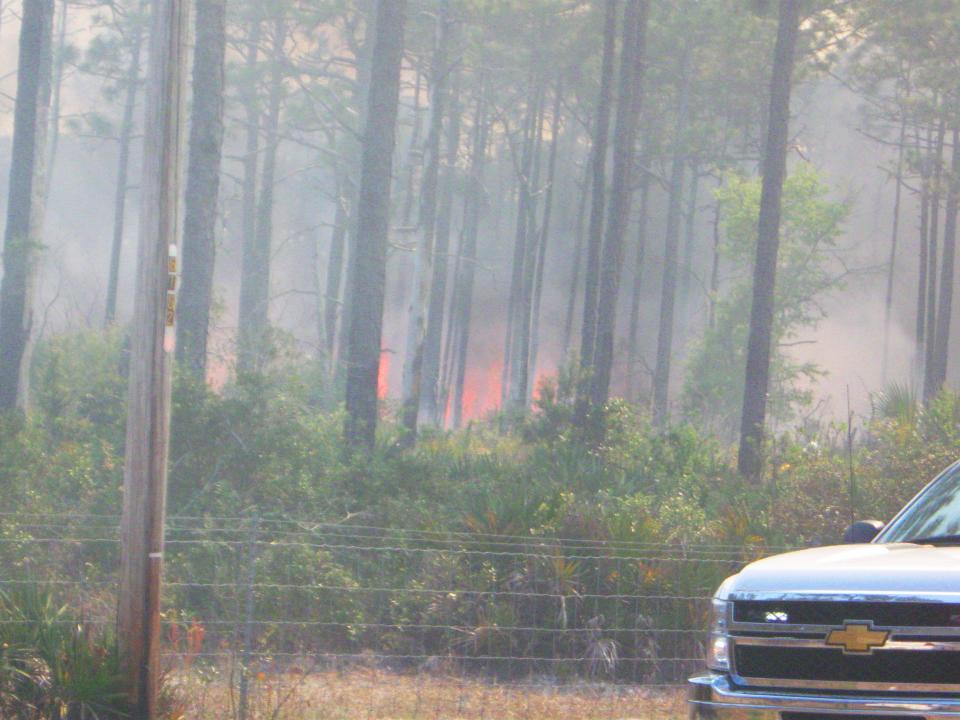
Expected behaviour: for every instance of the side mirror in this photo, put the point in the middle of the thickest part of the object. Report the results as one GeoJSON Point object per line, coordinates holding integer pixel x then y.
{"type": "Point", "coordinates": [863, 531]}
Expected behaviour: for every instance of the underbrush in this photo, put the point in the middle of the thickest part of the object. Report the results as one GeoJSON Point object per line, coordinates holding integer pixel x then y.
{"type": "Point", "coordinates": [273, 441]}
{"type": "Point", "coordinates": [271, 445]}
{"type": "Point", "coordinates": [53, 663]}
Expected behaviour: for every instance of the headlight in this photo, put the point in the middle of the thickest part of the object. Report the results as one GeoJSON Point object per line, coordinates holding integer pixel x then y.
{"type": "Point", "coordinates": [718, 643]}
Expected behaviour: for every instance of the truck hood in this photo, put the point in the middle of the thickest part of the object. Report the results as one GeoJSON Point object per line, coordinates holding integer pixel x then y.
{"type": "Point", "coordinates": [851, 570]}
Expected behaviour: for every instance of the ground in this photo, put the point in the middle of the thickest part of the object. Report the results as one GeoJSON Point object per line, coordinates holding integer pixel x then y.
{"type": "Point", "coordinates": [374, 694]}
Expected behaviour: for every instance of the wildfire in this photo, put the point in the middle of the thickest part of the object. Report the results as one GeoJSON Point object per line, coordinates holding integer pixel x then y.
{"type": "Point", "coordinates": [383, 375]}
{"type": "Point", "coordinates": [481, 390]}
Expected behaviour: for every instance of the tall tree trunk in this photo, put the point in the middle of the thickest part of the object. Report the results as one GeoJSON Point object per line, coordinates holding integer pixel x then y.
{"type": "Point", "coordinates": [598, 164]}
{"type": "Point", "coordinates": [632, 61]}
{"type": "Point", "coordinates": [715, 263]}
{"type": "Point", "coordinates": [575, 269]}
{"type": "Point", "coordinates": [335, 267]}
{"type": "Point", "coordinates": [431, 412]}
{"type": "Point", "coordinates": [894, 238]}
{"type": "Point", "coordinates": [249, 268]}
{"type": "Point", "coordinates": [921, 324]}
{"type": "Point", "coordinates": [368, 268]}
{"type": "Point", "coordinates": [353, 152]}
{"type": "Point", "coordinates": [59, 63]}
{"type": "Point", "coordinates": [633, 343]}
{"type": "Point", "coordinates": [132, 83]}
{"type": "Point", "coordinates": [24, 229]}
{"type": "Point", "coordinates": [468, 264]}
{"type": "Point", "coordinates": [203, 187]}
{"type": "Point", "coordinates": [668, 292]}
{"type": "Point", "coordinates": [524, 174]}
{"type": "Point", "coordinates": [450, 320]}
{"type": "Point", "coordinates": [945, 304]}
{"type": "Point", "coordinates": [415, 153]}
{"type": "Point", "coordinates": [424, 256]}
{"type": "Point", "coordinates": [555, 125]}
{"type": "Point", "coordinates": [689, 248]}
{"type": "Point", "coordinates": [753, 421]}
{"type": "Point", "coordinates": [260, 346]}
{"type": "Point", "coordinates": [929, 382]}
{"type": "Point", "coordinates": [530, 185]}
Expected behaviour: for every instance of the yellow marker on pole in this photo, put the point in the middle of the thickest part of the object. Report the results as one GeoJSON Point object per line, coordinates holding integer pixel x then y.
{"type": "Point", "coordinates": [169, 336]}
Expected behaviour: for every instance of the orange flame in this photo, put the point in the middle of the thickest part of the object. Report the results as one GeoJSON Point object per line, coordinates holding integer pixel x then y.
{"type": "Point", "coordinates": [481, 390]}
{"type": "Point", "coordinates": [383, 375]}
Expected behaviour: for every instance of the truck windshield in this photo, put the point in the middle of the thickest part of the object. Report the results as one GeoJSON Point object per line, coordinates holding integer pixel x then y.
{"type": "Point", "coordinates": [934, 515]}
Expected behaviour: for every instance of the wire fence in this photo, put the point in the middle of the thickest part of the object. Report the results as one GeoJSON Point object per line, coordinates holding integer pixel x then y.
{"type": "Point", "coordinates": [266, 616]}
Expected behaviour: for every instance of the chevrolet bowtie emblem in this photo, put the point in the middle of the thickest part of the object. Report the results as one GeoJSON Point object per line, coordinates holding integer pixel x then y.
{"type": "Point", "coordinates": [858, 637]}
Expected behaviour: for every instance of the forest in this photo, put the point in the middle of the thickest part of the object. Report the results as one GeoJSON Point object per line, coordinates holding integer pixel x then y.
{"type": "Point", "coordinates": [645, 277]}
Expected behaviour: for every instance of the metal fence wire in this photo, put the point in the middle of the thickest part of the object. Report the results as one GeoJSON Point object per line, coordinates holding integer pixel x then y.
{"type": "Point", "coordinates": [261, 612]}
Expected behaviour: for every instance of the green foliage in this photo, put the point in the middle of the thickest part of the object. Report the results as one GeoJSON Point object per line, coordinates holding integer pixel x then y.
{"type": "Point", "coordinates": [269, 444]}
{"type": "Point", "coordinates": [52, 663]}
{"type": "Point", "coordinates": [810, 226]}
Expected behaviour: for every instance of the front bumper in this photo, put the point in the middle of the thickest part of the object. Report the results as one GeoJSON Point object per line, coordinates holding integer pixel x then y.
{"type": "Point", "coordinates": [712, 697]}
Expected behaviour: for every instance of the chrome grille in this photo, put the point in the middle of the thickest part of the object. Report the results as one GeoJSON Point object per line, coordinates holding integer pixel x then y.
{"type": "Point", "coordinates": [782, 642]}
{"type": "Point", "coordinates": [891, 667]}
{"type": "Point", "coordinates": [799, 612]}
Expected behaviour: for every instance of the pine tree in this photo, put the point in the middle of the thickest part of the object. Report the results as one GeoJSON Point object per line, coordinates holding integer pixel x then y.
{"type": "Point", "coordinates": [368, 269]}
{"type": "Point", "coordinates": [24, 234]}
{"type": "Point", "coordinates": [203, 187]}
{"type": "Point", "coordinates": [752, 431]}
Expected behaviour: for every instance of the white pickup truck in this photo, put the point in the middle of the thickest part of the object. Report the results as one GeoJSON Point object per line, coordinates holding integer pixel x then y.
{"type": "Point", "coordinates": [861, 631]}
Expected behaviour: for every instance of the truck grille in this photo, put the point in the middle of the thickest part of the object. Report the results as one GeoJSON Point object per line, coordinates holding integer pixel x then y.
{"type": "Point", "coordinates": [887, 666]}
{"type": "Point", "coordinates": [842, 716]}
{"type": "Point", "coordinates": [832, 613]}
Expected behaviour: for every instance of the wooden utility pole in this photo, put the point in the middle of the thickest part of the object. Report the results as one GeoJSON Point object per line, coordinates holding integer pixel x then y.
{"type": "Point", "coordinates": [148, 419]}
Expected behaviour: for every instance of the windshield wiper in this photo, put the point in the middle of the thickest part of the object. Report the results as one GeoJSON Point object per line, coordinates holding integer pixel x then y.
{"type": "Point", "coordinates": [935, 540]}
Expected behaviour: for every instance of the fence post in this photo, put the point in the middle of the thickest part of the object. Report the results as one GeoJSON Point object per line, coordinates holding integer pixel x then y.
{"type": "Point", "coordinates": [247, 651]}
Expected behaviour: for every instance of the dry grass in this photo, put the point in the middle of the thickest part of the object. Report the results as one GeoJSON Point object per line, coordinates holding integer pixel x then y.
{"type": "Point", "coordinates": [370, 694]}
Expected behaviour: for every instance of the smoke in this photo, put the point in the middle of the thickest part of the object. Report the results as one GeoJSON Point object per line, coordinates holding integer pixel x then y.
{"type": "Point", "coordinates": [848, 344]}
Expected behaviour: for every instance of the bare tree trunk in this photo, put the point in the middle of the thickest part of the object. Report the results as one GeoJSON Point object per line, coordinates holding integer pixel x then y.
{"type": "Point", "coordinates": [632, 61]}
{"type": "Point", "coordinates": [59, 63]}
{"type": "Point", "coordinates": [335, 267]}
{"type": "Point", "coordinates": [24, 229]}
{"type": "Point", "coordinates": [415, 153]}
{"type": "Point", "coordinates": [945, 305]}
{"type": "Point", "coordinates": [894, 238]}
{"type": "Point", "coordinates": [368, 268]}
{"type": "Point", "coordinates": [545, 233]}
{"type": "Point", "coordinates": [424, 256]}
{"type": "Point", "coordinates": [363, 57]}
{"type": "Point", "coordinates": [598, 163]}
{"type": "Point", "coordinates": [689, 247]}
{"type": "Point", "coordinates": [668, 292]}
{"type": "Point", "coordinates": [203, 187]}
{"type": "Point", "coordinates": [522, 227]}
{"type": "Point", "coordinates": [132, 88]}
{"type": "Point", "coordinates": [929, 382]}
{"type": "Point", "coordinates": [752, 427]}
{"type": "Point", "coordinates": [431, 412]}
{"type": "Point", "coordinates": [575, 269]}
{"type": "Point", "coordinates": [633, 343]}
{"type": "Point", "coordinates": [260, 346]}
{"type": "Point", "coordinates": [527, 249]}
{"type": "Point", "coordinates": [471, 230]}
{"type": "Point", "coordinates": [921, 324]}
{"type": "Point", "coordinates": [246, 331]}
{"type": "Point", "coordinates": [715, 265]}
